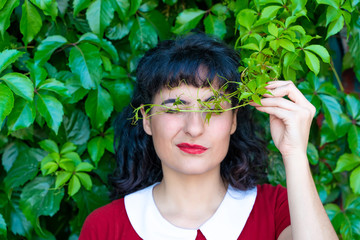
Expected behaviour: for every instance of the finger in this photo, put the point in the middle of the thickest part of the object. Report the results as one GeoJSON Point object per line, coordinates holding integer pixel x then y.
{"type": "Point", "coordinates": [287, 88]}
{"type": "Point", "coordinates": [278, 102]}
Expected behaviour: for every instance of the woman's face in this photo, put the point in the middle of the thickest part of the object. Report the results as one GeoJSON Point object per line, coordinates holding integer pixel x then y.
{"type": "Point", "coordinates": [184, 141]}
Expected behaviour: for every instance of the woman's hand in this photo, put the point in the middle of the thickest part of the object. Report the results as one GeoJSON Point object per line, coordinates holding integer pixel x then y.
{"type": "Point", "coordinates": [290, 119]}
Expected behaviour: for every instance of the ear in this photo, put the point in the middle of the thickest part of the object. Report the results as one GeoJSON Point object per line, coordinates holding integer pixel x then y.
{"type": "Point", "coordinates": [146, 121]}
{"type": "Point", "coordinates": [234, 121]}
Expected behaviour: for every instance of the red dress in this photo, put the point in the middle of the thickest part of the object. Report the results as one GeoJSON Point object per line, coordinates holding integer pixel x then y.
{"type": "Point", "coordinates": [268, 218]}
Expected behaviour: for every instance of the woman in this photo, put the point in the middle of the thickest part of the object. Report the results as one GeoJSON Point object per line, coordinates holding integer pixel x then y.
{"type": "Point", "coordinates": [179, 176]}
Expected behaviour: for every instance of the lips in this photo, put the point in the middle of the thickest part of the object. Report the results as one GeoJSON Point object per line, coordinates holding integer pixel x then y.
{"type": "Point", "coordinates": [191, 148]}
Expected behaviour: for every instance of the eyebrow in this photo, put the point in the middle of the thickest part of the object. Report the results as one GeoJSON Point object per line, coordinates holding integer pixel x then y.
{"type": "Point", "coordinates": [173, 100]}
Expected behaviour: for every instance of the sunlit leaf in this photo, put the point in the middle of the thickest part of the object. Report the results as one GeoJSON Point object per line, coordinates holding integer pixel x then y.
{"type": "Point", "coordinates": [5, 13]}
{"type": "Point", "coordinates": [85, 62]}
{"type": "Point", "coordinates": [6, 101]}
{"type": "Point", "coordinates": [22, 116]}
{"type": "Point", "coordinates": [187, 20]}
{"type": "Point", "coordinates": [20, 84]}
{"type": "Point", "coordinates": [30, 23]}
{"type": "Point", "coordinates": [51, 109]}
{"type": "Point", "coordinates": [94, 107]}
{"type": "Point", "coordinates": [47, 47]}
{"type": "Point", "coordinates": [99, 15]}
{"type": "Point", "coordinates": [312, 62]}
{"type": "Point", "coordinates": [7, 57]}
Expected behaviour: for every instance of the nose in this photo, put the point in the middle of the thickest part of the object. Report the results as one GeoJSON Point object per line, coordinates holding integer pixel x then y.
{"type": "Point", "coordinates": [194, 124]}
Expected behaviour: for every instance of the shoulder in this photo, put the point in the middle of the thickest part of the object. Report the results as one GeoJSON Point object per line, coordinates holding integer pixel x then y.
{"type": "Point", "coordinates": [108, 222]}
{"type": "Point", "coordinates": [267, 190]}
{"type": "Point", "coordinates": [112, 212]}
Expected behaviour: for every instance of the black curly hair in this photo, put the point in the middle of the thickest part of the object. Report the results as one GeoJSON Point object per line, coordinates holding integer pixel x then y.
{"type": "Point", "coordinates": [167, 64]}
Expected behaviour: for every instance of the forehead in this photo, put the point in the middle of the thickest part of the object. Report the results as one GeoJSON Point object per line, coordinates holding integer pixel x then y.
{"type": "Point", "coordinates": [185, 92]}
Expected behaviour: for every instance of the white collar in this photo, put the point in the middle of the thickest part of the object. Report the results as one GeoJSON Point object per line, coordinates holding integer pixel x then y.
{"type": "Point", "coordinates": [227, 222]}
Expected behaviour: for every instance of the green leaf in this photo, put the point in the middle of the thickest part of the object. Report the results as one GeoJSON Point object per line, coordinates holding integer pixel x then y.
{"type": "Point", "coordinates": [3, 229]}
{"type": "Point", "coordinates": [110, 49]}
{"type": "Point", "coordinates": [256, 99]}
{"type": "Point", "coordinates": [134, 6]}
{"type": "Point", "coordinates": [25, 167]}
{"type": "Point", "coordinates": [333, 3]}
{"type": "Point", "coordinates": [246, 18]}
{"type": "Point", "coordinates": [215, 26]}
{"type": "Point", "coordinates": [98, 107]}
{"type": "Point", "coordinates": [5, 14]}
{"type": "Point", "coordinates": [49, 7]}
{"type": "Point", "coordinates": [47, 47]}
{"type": "Point", "coordinates": [298, 29]}
{"type": "Point", "coordinates": [68, 147]}
{"type": "Point", "coordinates": [18, 223]}
{"type": "Point", "coordinates": [6, 102]}
{"type": "Point", "coordinates": [88, 201]}
{"type": "Point", "coordinates": [273, 30]}
{"type": "Point", "coordinates": [75, 128]}
{"type": "Point", "coordinates": [49, 146]}
{"type": "Point", "coordinates": [51, 109]}
{"type": "Point", "coordinates": [85, 180]}
{"type": "Point", "coordinates": [84, 167]}
{"type": "Point", "coordinates": [10, 154]}
{"type": "Point", "coordinates": [159, 23]}
{"type": "Point", "coordinates": [84, 62]}
{"type": "Point", "coordinates": [74, 185]}
{"type": "Point", "coordinates": [122, 7]}
{"type": "Point", "coordinates": [39, 198]}
{"type": "Point", "coordinates": [96, 149]}
{"type": "Point", "coordinates": [99, 15]}
{"type": "Point", "coordinates": [335, 27]}
{"type": "Point", "coordinates": [142, 35]}
{"type": "Point", "coordinates": [353, 106]}
{"type": "Point", "coordinates": [269, 12]}
{"type": "Point", "coordinates": [30, 23]}
{"type": "Point", "coordinates": [55, 86]}
{"type": "Point", "coordinates": [187, 20]}
{"type": "Point", "coordinates": [355, 180]}
{"type": "Point", "coordinates": [312, 154]}
{"type": "Point", "coordinates": [354, 139]}
{"type": "Point", "coordinates": [170, 2]}
{"type": "Point", "coordinates": [251, 46]}
{"type": "Point", "coordinates": [67, 164]}
{"type": "Point", "coordinates": [312, 62]}
{"type": "Point", "coordinates": [332, 210]}
{"type": "Point", "coordinates": [219, 9]}
{"type": "Point", "coordinates": [287, 44]}
{"type": "Point", "coordinates": [350, 224]}
{"type": "Point", "coordinates": [80, 5]}
{"type": "Point", "coordinates": [62, 178]}
{"type": "Point", "coordinates": [22, 116]}
{"type": "Point", "coordinates": [320, 51]}
{"type": "Point", "coordinates": [7, 57]}
{"type": "Point", "coordinates": [332, 14]}
{"type": "Point", "coordinates": [148, 5]}
{"type": "Point", "coordinates": [332, 110]}
{"type": "Point", "coordinates": [49, 168]}
{"type": "Point", "coordinates": [118, 31]}
{"type": "Point", "coordinates": [20, 84]}
{"type": "Point", "coordinates": [347, 162]}
{"type": "Point", "coordinates": [73, 156]}
{"type": "Point", "coordinates": [104, 44]}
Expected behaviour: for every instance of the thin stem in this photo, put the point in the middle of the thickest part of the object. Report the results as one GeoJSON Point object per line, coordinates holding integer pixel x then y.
{"type": "Point", "coordinates": [336, 75]}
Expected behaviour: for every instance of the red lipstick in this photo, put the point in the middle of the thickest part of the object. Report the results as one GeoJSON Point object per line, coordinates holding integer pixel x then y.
{"type": "Point", "coordinates": [191, 148]}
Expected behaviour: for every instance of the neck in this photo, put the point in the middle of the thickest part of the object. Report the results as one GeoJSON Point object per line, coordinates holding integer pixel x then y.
{"type": "Point", "coordinates": [189, 200]}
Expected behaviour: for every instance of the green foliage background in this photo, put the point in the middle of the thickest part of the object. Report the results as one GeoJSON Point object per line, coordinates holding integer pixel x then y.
{"type": "Point", "coordinates": [67, 68]}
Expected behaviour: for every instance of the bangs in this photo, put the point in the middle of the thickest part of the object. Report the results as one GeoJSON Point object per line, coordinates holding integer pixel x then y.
{"type": "Point", "coordinates": [197, 60]}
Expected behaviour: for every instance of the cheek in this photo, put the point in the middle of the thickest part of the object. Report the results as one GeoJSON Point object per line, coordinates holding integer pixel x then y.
{"type": "Point", "coordinates": [163, 131]}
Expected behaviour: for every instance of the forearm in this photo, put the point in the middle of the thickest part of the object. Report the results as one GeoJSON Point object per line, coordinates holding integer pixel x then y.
{"type": "Point", "coordinates": [308, 217]}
